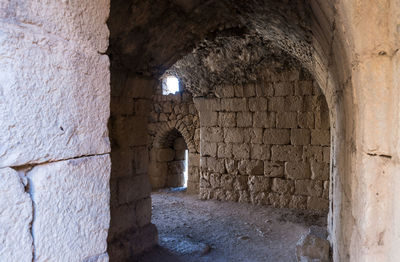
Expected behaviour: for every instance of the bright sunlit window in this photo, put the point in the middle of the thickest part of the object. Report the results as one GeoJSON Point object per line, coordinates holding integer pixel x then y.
{"type": "Point", "coordinates": [170, 85]}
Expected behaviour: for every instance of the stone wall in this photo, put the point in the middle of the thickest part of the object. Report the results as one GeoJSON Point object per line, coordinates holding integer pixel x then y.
{"type": "Point", "coordinates": [131, 230]}
{"type": "Point", "coordinates": [172, 116]}
{"type": "Point", "coordinates": [54, 144]}
{"type": "Point", "coordinates": [266, 142]}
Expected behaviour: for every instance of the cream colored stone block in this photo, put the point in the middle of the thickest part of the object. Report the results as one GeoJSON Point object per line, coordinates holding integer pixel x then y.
{"type": "Point", "coordinates": [308, 187]}
{"type": "Point", "coordinates": [286, 120]}
{"type": "Point", "coordinates": [320, 137]}
{"type": "Point", "coordinates": [264, 119]}
{"type": "Point", "coordinates": [80, 22]}
{"type": "Point", "coordinates": [300, 136]}
{"type": "Point", "coordinates": [54, 100]}
{"type": "Point", "coordinates": [282, 186]}
{"type": "Point", "coordinates": [234, 104]}
{"type": "Point", "coordinates": [241, 151]}
{"type": "Point", "coordinates": [244, 119]}
{"type": "Point", "coordinates": [233, 135]}
{"type": "Point", "coordinates": [208, 149]}
{"type": "Point", "coordinates": [297, 170]}
{"type": "Point", "coordinates": [259, 184]}
{"type": "Point", "coordinates": [273, 169]}
{"type": "Point", "coordinates": [277, 136]}
{"type": "Point", "coordinates": [286, 153]}
{"type": "Point", "coordinates": [226, 119]}
{"type": "Point", "coordinates": [319, 171]}
{"type": "Point", "coordinates": [258, 104]}
{"type": "Point", "coordinates": [72, 213]}
{"type": "Point", "coordinates": [260, 152]}
{"type": "Point", "coordinates": [15, 219]}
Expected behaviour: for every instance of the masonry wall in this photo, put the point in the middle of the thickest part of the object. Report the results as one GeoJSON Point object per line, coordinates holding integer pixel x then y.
{"type": "Point", "coordinates": [266, 142]}
{"type": "Point", "coordinates": [54, 144]}
{"type": "Point", "coordinates": [170, 114]}
{"type": "Point", "coordinates": [131, 230]}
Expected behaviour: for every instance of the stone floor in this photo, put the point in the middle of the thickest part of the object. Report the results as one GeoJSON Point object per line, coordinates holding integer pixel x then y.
{"type": "Point", "coordinates": [202, 231]}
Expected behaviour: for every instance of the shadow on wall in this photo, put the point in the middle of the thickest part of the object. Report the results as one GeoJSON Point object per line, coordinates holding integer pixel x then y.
{"type": "Point", "coordinates": [167, 161]}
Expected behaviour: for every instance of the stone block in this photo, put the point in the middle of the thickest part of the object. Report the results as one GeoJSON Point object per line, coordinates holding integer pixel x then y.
{"type": "Point", "coordinates": [123, 218]}
{"type": "Point", "coordinates": [231, 166]}
{"type": "Point", "coordinates": [308, 187]}
{"type": "Point", "coordinates": [234, 104]}
{"type": "Point", "coordinates": [211, 134]}
{"type": "Point", "coordinates": [122, 163]}
{"type": "Point", "coordinates": [319, 171]}
{"type": "Point", "coordinates": [16, 218]}
{"type": "Point", "coordinates": [216, 165]}
{"type": "Point", "coordinates": [303, 87]}
{"type": "Point", "coordinates": [157, 174]}
{"type": "Point", "coordinates": [264, 119]}
{"type": "Point", "coordinates": [259, 198]}
{"type": "Point", "coordinates": [194, 159]}
{"type": "Point", "coordinates": [241, 151]}
{"type": "Point", "coordinates": [320, 137]}
{"type": "Point", "coordinates": [306, 120]}
{"type": "Point", "coordinates": [293, 103]}
{"type": "Point", "coordinates": [300, 136]}
{"type": "Point", "coordinates": [59, 128]}
{"type": "Point", "coordinates": [282, 186]}
{"type": "Point", "coordinates": [226, 119]}
{"type": "Point", "coordinates": [249, 90]}
{"type": "Point", "coordinates": [240, 183]}
{"type": "Point", "coordinates": [312, 153]}
{"type": "Point", "coordinates": [207, 104]}
{"type": "Point", "coordinates": [277, 136]}
{"type": "Point", "coordinates": [283, 88]}
{"type": "Point", "coordinates": [297, 170]}
{"type": "Point", "coordinates": [227, 181]}
{"type": "Point", "coordinates": [133, 188]}
{"type": "Point", "coordinates": [224, 150]}
{"type": "Point", "coordinates": [286, 153]}
{"type": "Point", "coordinates": [260, 152]}
{"type": "Point", "coordinates": [259, 184]}
{"type": "Point", "coordinates": [325, 193]}
{"type": "Point", "coordinates": [279, 200]}
{"type": "Point", "coordinates": [208, 149]}
{"type": "Point", "coordinates": [129, 131]}
{"type": "Point", "coordinates": [233, 135]}
{"type": "Point", "coordinates": [256, 135]}
{"type": "Point", "coordinates": [322, 119]}
{"type": "Point", "coordinates": [273, 169]}
{"type": "Point", "coordinates": [238, 89]}
{"type": "Point", "coordinates": [317, 203]}
{"type": "Point", "coordinates": [326, 152]}
{"type": "Point", "coordinates": [251, 167]}
{"type": "Point", "coordinates": [286, 120]}
{"type": "Point", "coordinates": [244, 119]}
{"type": "Point", "coordinates": [73, 197]}
{"type": "Point", "coordinates": [258, 104]}
{"type": "Point", "coordinates": [298, 202]}
{"type": "Point", "coordinates": [276, 104]}
{"type": "Point", "coordinates": [140, 160]}
{"type": "Point", "coordinates": [165, 154]}
{"type": "Point", "coordinates": [208, 118]}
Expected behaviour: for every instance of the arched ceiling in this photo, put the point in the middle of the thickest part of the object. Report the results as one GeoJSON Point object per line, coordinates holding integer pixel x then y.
{"type": "Point", "coordinates": [148, 37]}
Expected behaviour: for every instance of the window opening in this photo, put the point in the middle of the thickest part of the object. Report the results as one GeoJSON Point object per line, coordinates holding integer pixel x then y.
{"type": "Point", "coordinates": [170, 85]}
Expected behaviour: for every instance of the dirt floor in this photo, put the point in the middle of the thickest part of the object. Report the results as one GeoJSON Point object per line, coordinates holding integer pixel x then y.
{"type": "Point", "coordinates": [192, 230]}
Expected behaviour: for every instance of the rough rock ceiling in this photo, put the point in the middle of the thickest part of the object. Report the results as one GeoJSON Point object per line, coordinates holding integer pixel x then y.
{"type": "Point", "coordinates": [149, 36]}
{"type": "Point", "coordinates": [234, 59]}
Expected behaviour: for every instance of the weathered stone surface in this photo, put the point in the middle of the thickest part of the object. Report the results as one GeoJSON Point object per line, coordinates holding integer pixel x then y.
{"type": "Point", "coordinates": [100, 258]}
{"type": "Point", "coordinates": [16, 217]}
{"type": "Point", "coordinates": [300, 136]}
{"type": "Point", "coordinates": [133, 188]}
{"type": "Point", "coordinates": [277, 136]}
{"type": "Point", "coordinates": [60, 128]}
{"type": "Point", "coordinates": [309, 187]}
{"type": "Point", "coordinates": [313, 246]}
{"type": "Point", "coordinates": [165, 154]}
{"type": "Point", "coordinates": [73, 197]}
{"type": "Point", "coordinates": [297, 170]}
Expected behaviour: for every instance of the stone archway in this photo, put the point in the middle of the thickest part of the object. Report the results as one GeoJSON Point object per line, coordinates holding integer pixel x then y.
{"type": "Point", "coordinates": [164, 139]}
